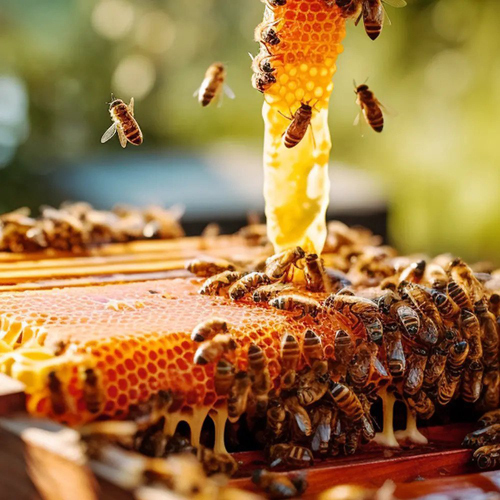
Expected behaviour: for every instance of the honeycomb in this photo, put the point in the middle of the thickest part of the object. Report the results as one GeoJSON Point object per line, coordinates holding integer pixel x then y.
{"type": "Point", "coordinates": [137, 338]}
{"type": "Point", "coordinates": [310, 34]}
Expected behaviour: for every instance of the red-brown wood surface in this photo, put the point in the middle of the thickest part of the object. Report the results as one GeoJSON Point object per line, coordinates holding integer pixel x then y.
{"type": "Point", "coordinates": [12, 396]}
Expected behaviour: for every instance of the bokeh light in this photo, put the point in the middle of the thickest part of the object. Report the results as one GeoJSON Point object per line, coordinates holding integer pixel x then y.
{"type": "Point", "coordinates": [155, 32]}
{"type": "Point", "coordinates": [134, 77]}
{"type": "Point", "coordinates": [113, 19]}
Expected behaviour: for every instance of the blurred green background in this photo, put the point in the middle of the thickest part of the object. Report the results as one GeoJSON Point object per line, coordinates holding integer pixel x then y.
{"type": "Point", "coordinates": [436, 167]}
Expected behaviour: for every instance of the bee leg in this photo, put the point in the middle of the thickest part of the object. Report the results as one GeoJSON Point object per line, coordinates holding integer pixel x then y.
{"type": "Point", "coordinates": [387, 437]}
{"type": "Point", "coordinates": [411, 433]}
{"type": "Point", "coordinates": [131, 106]}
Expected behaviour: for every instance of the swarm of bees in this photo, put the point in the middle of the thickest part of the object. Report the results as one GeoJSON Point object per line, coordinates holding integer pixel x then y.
{"type": "Point", "coordinates": [75, 226]}
{"type": "Point", "coordinates": [424, 330]}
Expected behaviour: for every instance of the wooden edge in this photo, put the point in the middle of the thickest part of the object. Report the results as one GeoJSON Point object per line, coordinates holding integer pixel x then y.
{"type": "Point", "coordinates": [12, 396]}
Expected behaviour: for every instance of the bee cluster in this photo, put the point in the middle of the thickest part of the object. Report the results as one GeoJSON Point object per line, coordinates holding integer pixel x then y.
{"type": "Point", "coordinates": [75, 226]}
{"type": "Point", "coordinates": [424, 331]}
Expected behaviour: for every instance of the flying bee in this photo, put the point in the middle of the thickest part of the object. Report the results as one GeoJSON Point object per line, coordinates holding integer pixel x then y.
{"type": "Point", "coordinates": [370, 107]}
{"type": "Point", "coordinates": [208, 329]}
{"type": "Point", "coordinates": [347, 402]}
{"type": "Point", "coordinates": [472, 381]}
{"type": "Point", "coordinates": [448, 383]}
{"type": "Point", "coordinates": [313, 349]}
{"type": "Point", "coordinates": [414, 273]}
{"type": "Point", "coordinates": [276, 419]}
{"type": "Point", "coordinates": [266, 33]}
{"type": "Point", "coordinates": [278, 486]}
{"type": "Point", "coordinates": [313, 384]}
{"type": "Point", "coordinates": [299, 123]}
{"type": "Point", "coordinates": [57, 399]}
{"type": "Point", "coordinates": [204, 268]}
{"type": "Point", "coordinates": [290, 354]}
{"type": "Point", "coordinates": [471, 331]}
{"type": "Point", "coordinates": [299, 416]}
{"type": "Point", "coordinates": [278, 265]}
{"type": "Point", "coordinates": [247, 284]}
{"type": "Point", "coordinates": [224, 377]}
{"type": "Point", "coordinates": [212, 350]}
{"type": "Point", "coordinates": [488, 457]}
{"type": "Point", "coordinates": [459, 295]}
{"type": "Point", "coordinates": [291, 455]}
{"type": "Point", "coordinates": [416, 369]}
{"type": "Point", "coordinates": [349, 8]}
{"type": "Point", "coordinates": [217, 282]}
{"type": "Point", "coordinates": [447, 308]}
{"type": "Point", "coordinates": [323, 420]}
{"type": "Point", "coordinates": [373, 14]}
{"type": "Point", "coordinates": [238, 396]}
{"type": "Point", "coordinates": [483, 437]}
{"type": "Point", "coordinates": [267, 292]}
{"type": "Point", "coordinates": [316, 278]}
{"type": "Point", "coordinates": [490, 418]}
{"type": "Point", "coordinates": [260, 376]}
{"type": "Point", "coordinates": [92, 393]}
{"type": "Point", "coordinates": [343, 350]}
{"type": "Point", "coordinates": [263, 81]}
{"type": "Point", "coordinates": [295, 302]}
{"type": "Point", "coordinates": [421, 404]}
{"type": "Point", "coordinates": [408, 317]}
{"type": "Point", "coordinates": [213, 85]}
{"type": "Point", "coordinates": [124, 123]}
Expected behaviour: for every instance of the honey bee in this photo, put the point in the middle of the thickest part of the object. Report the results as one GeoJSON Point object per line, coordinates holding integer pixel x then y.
{"type": "Point", "coordinates": [263, 81]}
{"type": "Point", "coordinates": [459, 295]}
{"type": "Point", "coordinates": [414, 273]}
{"type": "Point", "coordinates": [370, 107]}
{"type": "Point", "coordinates": [437, 360]}
{"type": "Point", "coordinates": [123, 122]}
{"type": "Point", "coordinates": [259, 374]}
{"type": "Point", "coordinates": [373, 15]}
{"type": "Point", "coordinates": [266, 34]}
{"type": "Point", "coordinates": [272, 4]}
{"type": "Point", "coordinates": [472, 381]}
{"type": "Point", "coordinates": [295, 302]}
{"type": "Point", "coordinates": [213, 85]}
{"type": "Point", "coordinates": [299, 123]}
{"type": "Point", "coordinates": [447, 308]}
{"type": "Point", "coordinates": [208, 329]}
{"type": "Point", "coordinates": [313, 384]}
{"type": "Point", "coordinates": [217, 463]}
{"type": "Point", "coordinates": [290, 354]}
{"type": "Point", "coordinates": [465, 277]}
{"type": "Point", "coordinates": [299, 416]}
{"type": "Point", "coordinates": [263, 63]}
{"type": "Point", "coordinates": [338, 437]}
{"type": "Point", "coordinates": [395, 353]}
{"type": "Point", "coordinates": [488, 457]}
{"type": "Point", "coordinates": [247, 284]}
{"type": "Point", "coordinates": [316, 278]}
{"type": "Point", "coordinates": [92, 391]}
{"type": "Point", "coordinates": [471, 331]}
{"type": "Point", "coordinates": [409, 318]}
{"type": "Point", "coordinates": [204, 268]}
{"type": "Point", "coordinates": [57, 399]}
{"type": "Point", "coordinates": [416, 369]}
{"type": "Point", "coordinates": [337, 279]}
{"type": "Point", "coordinates": [218, 282]}
{"type": "Point", "coordinates": [224, 377]}
{"type": "Point", "coordinates": [238, 396]}
{"type": "Point", "coordinates": [490, 418]}
{"type": "Point", "coordinates": [347, 402]}
{"type": "Point", "coordinates": [454, 365]}
{"type": "Point", "coordinates": [267, 292]}
{"type": "Point", "coordinates": [437, 277]}
{"type": "Point", "coordinates": [343, 350]}
{"type": "Point", "coordinates": [483, 437]}
{"type": "Point", "coordinates": [212, 350]}
{"type": "Point", "coordinates": [362, 364]}
{"type": "Point", "coordinates": [495, 304]}
{"type": "Point", "coordinates": [276, 418]}
{"type": "Point", "coordinates": [313, 349]}
{"type": "Point", "coordinates": [422, 300]}
{"type": "Point", "coordinates": [421, 404]}
{"type": "Point", "coordinates": [291, 455]}
{"type": "Point", "coordinates": [323, 420]}
{"type": "Point", "coordinates": [278, 265]}
{"type": "Point", "coordinates": [349, 8]}
{"type": "Point", "coordinates": [278, 486]}
{"type": "Point", "coordinates": [489, 335]}
{"type": "Point", "coordinates": [353, 436]}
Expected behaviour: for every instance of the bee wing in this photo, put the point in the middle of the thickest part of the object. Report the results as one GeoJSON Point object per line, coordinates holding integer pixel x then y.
{"type": "Point", "coordinates": [109, 133]}
{"type": "Point", "coordinates": [197, 92]}
{"type": "Point", "coordinates": [357, 119]}
{"type": "Point", "coordinates": [131, 106]}
{"type": "Point", "coordinates": [396, 3]}
{"type": "Point", "coordinates": [121, 136]}
{"type": "Point", "coordinates": [228, 91]}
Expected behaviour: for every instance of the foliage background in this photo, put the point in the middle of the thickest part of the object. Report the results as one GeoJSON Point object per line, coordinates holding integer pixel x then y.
{"type": "Point", "coordinates": [436, 66]}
